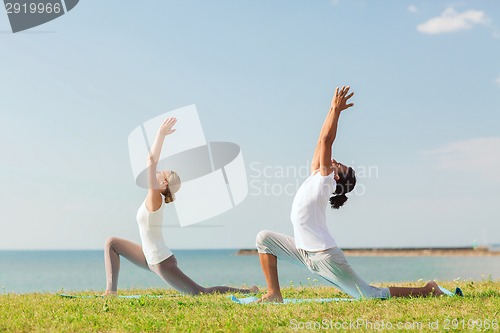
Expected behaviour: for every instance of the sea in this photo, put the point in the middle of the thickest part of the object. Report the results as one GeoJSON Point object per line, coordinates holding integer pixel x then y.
{"type": "Point", "coordinates": [74, 271]}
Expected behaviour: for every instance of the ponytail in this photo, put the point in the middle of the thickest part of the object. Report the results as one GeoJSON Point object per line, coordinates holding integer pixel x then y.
{"type": "Point", "coordinates": [169, 196]}
{"type": "Point", "coordinates": [174, 184]}
{"type": "Point", "coordinates": [337, 201]}
{"type": "Point", "coordinates": [345, 184]}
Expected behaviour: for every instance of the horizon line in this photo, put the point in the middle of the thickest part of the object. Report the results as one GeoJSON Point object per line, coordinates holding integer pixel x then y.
{"type": "Point", "coordinates": [491, 245]}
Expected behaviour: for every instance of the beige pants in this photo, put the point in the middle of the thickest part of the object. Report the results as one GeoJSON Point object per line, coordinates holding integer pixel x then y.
{"type": "Point", "coordinates": [330, 264]}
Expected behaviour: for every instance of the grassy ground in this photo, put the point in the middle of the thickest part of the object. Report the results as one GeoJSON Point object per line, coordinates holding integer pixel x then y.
{"type": "Point", "coordinates": [477, 311]}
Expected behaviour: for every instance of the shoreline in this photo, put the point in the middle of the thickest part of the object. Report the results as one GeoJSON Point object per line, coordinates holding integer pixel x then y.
{"type": "Point", "coordinates": [406, 252]}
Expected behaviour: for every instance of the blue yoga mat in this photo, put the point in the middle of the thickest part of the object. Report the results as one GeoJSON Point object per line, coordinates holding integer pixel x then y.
{"type": "Point", "coordinates": [253, 299]}
{"type": "Point", "coordinates": [458, 291]}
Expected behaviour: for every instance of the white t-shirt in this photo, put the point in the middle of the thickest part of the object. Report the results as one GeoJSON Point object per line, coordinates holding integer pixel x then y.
{"type": "Point", "coordinates": [309, 213]}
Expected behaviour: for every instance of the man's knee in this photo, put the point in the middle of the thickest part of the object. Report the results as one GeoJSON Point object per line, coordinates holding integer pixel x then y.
{"type": "Point", "coordinates": [262, 237]}
{"type": "Point", "coordinates": [265, 241]}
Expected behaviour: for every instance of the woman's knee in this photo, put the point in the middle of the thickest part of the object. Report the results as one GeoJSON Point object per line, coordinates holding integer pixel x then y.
{"type": "Point", "coordinates": [200, 291]}
{"type": "Point", "coordinates": [111, 242]}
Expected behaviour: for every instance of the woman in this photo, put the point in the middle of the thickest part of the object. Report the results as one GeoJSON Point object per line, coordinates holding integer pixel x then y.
{"type": "Point", "coordinates": [154, 254]}
{"type": "Point", "coordinates": [313, 246]}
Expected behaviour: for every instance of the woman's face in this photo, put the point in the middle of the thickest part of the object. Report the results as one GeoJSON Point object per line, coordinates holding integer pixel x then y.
{"type": "Point", "coordinates": [162, 178]}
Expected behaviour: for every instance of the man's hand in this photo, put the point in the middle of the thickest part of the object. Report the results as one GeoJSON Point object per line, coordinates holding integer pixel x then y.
{"type": "Point", "coordinates": [339, 101]}
{"type": "Point", "coordinates": [166, 127]}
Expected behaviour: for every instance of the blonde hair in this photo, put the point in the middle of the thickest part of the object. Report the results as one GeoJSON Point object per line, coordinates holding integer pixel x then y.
{"type": "Point", "coordinates": [174, 184]}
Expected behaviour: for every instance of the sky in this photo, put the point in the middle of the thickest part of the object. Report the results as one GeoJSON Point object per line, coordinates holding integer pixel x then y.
{"type": "Point", "coordinates": [423, 136]}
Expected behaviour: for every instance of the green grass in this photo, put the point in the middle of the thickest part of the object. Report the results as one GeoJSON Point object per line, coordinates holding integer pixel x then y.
{"type": "Point", "coordinates": [44, 312]}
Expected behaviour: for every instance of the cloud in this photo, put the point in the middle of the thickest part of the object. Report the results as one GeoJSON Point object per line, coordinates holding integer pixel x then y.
{"type": "Point", "coordinates": [497, 80]}
{"type": "Point", "coordinates": [451, 21]}
{"type": "Point", "coordinates": [412, 9]}
{"type": "Point", "coordinates": [480, 156]}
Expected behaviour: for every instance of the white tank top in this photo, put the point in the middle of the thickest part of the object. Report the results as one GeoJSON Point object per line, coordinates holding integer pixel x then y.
{"type": "Point", "coordinates": [151, 231]}
{"type": "Point", "coordinates": [309, 213]}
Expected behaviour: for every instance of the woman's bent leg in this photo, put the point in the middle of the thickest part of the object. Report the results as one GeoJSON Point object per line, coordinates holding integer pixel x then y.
{"type": "Point", "coordinates": [113, 249]}
{"type": "Point", "coordinates": [172, 274]}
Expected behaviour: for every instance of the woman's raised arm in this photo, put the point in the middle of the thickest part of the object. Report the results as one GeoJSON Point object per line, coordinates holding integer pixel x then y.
{"type": "Point", "coordinates": [155, 188]}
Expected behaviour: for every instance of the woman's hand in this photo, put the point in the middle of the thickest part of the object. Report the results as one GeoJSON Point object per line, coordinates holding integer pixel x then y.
{"type": "Point", "coordinates": [166, 127]}
{"type": "Point", "coordinates": [339, 101]}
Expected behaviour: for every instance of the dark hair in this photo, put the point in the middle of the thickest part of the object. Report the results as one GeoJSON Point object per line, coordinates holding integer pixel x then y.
{"type": "Point", "coordinates": [345, 184]}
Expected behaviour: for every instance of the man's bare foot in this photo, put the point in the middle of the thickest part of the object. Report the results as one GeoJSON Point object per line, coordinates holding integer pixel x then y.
{"type": "Point", "coordinates": [433, 289]}
{"type": "Point", "coordinates": [268, 298]}
{"type": "Point", "coordinates": [254, 289]}
{"type": "Point", "coordinates": [109, 293]}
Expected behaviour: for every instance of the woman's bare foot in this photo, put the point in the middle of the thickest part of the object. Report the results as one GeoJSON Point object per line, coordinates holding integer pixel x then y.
{"type": "Point", "coordinates": [268, 298]}
{"type": "Point", "coordinates": [254, 289]}
{"type": "Point", "coordinates": [109, 293]}
{"type": "Point", "coordinates": [433, 289]}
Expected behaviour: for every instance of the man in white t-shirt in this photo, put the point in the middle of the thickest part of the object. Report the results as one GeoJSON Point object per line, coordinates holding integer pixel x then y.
{"type": "Point", "coordinates": [312, 244]}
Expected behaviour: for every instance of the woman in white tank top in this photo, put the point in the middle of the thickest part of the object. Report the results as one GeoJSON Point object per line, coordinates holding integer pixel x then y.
{"type": "Point", "coordinates": [153, 253]}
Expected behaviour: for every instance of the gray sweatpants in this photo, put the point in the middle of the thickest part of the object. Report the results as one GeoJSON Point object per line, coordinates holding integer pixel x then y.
{"type": "Point", "coordinates": [330, 264]}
